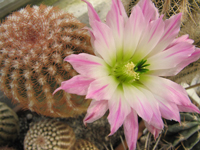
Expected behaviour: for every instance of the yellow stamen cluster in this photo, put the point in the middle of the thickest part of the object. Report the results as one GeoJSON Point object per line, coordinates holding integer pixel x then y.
{"type": "Point", "coordinates": [129, 69]}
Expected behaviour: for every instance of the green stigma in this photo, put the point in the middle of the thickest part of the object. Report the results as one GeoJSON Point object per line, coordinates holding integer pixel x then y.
{"type": "Point", "coordinates": [129, 72]}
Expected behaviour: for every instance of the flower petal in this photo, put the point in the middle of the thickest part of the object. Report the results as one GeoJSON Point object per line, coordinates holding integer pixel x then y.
{"type": "Point", "coordinates": [102, 88]}
{"type": "Point", "coordinates": [170, 91]}
{"type": "Point", "coordinates": [116, 23]}
{"type": "Point", "coordinates": [171, 57]}
{"type": "Point", "coordinates": [76, 85]}
{"type": "Point", "coordinates": [149, 10]}
{"type": "Point", "coordinates": [192, 58]}
{"type": "Point", "coordinates": [132, 32]}
{"type": "Point", "coordinates": [96, 110]}
{"type": "Point", "coordinates": [122, 10]}
{"type": "Point", "coordinates": [131, 129]}
{"type": "Point", "coordinates": [151, 36]}
{"type": "Point", "coordinates": [188, 108]}
{"type": "Point", "coordinates": [88, 65]}
{"type": "Point", "coordinates": [183, 38]}
{"type": "Point", "coordinates": [91, 12]}
{"type": "Point", "coordinates": [104, 42]}
{"type": "Point", "coordinates": [167, 109]}
{"type": "Point", "coordinates": [156, 119]}
{"type": "Point", "coordinates": [172, 27]}
{"type": "Point", "coordinates": [118, 110]}
{"type": "Point", "coordinates": [173, 71]}
{"type": "Point", "coordinates": [138, 101]}
{"type": "Point", "coordinates": [92, 39]}
{"type": "Point", "coordinates": [155, 131]}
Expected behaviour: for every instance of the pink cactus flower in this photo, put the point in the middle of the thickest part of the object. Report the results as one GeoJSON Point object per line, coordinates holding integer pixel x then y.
{"type": "Point", "coordinates": [124, 76]}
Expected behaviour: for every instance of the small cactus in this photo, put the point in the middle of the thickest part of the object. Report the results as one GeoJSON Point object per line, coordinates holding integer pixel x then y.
{"type": "Point", "coordinates": [171, 7]}
{"type": "Point", "coordinates": [49, 134]}
{"type": "Point", "coordinates": [84, 145]}
{"type": "Point", "coordinates": [9, 124]}
{"type": "Point", "coordinates": [7, 148]}
{"type": "Point", "coordinates": [184, 135]}
{"type": "Point", "coordinates": [33, 43]}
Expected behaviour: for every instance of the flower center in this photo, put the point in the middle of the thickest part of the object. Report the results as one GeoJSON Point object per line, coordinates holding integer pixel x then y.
{"type": "Point", "coordinates": [129, 72]}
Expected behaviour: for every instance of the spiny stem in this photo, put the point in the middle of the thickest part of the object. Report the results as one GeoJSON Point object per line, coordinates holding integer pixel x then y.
{"type": "Point", "coordinates": [138, 147]}
{"type": "Point", "coordinates": [122, 142]}
{"type": "Point", "coordinates": [157, 142]}
{"type": "Point", "coordinates": [146, 143]}
{"type": "Point", "coordinates": [111, 146]}
{"type": "Point", "coordinates": [192, 86]}
{"type": "Point", "coordinates": [105, 146]}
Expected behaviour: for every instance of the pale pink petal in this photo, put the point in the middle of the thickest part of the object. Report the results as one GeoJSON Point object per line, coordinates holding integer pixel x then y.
{"type": "Point", "coordinates": [76, 85]}
{"type": "Point", "coordinates": [95, 111]}
{"type": "Point", "coordinates": [171, 57]}
{"type": "Point", "coordinates": [138, 101]}
{"type": "Point", "coordinates": [183, 38]}
{"type": "Point", "coordinates": [104, 42]}
{"type": "Point", "coordinates": [149, 10]}
{"type": "Point", "coordinates": [156, 119]}
{"type": "Point", "coordinates": [192, 58]}
{"type": "Point", "coordinates": [88, 65]}
{"type": "Point", "coordinates": [173, 71]}
{"type": "Point", "coordinates": [155, 131]}
{"type": "Point", "coordinates": [170, 91]}
{"type": "Point", "coordinates": [122, 10]}
{"type": "Point", "coordinates": [168, 110]}
{"type": "Point", "coordinates": [102, 88]}
{"type": "Point", "coordinates": [118, 110]}
{"type": "Point", "coordinates": [133, 31]}
{"type": "Point", "coordinates": [151, 36]}
{"type": "Point", "coordinates": [91, 12]}
{"type": "Point", "coordinates": [92, 39]}
{"type": "Point", "coordinates": [131, 129]}
{"type": "Point", "coordinates": [172, 28]}
{"type": "Point", "coordinates": [188, 108]}
{"type": "Point", "coordinates": [116, 23]}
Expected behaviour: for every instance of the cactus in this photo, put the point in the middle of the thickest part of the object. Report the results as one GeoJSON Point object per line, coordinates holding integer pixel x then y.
{"type": "Point", "coordinates": [184, 135]}
{"type": "Point", "coordinates": [7, 148]}
{"type": "Point", "coordinates": [33, 43]}
{"type": "Point", "coordinates": [9, 124]}
{"type": "Point", "coordinates": [49, 134]}
{"type": "Point", "coordinates": [84, 145]}
{"type": "Point", "coordinates": [171, 7]}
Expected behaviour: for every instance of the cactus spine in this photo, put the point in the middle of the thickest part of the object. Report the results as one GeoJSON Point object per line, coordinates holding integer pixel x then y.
{"type": "Point", "coordinates": [49, 134]}
{"type": "Point", "coordinates": [185, 135]}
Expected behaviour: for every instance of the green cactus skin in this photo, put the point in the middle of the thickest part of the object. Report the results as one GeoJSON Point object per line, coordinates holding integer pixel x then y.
{"type": "Point", "coordinates": [184, 135]}
{"type": "Point", "coordinates": [9, 124]}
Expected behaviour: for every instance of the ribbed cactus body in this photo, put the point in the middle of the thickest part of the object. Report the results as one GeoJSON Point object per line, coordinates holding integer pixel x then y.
{"type": "Point", "coordinates": [7, 148]}
{"type": "Point", "coordinates": [9, 124]}
{"type": "Point", "coordinates": [33, 43]}
{"type": "Point", "coordinates": [49, 134]}
{"type": "Point", "coordinates": [186, 135]}
{"type": "Point", "coordinates": [84, 145]}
